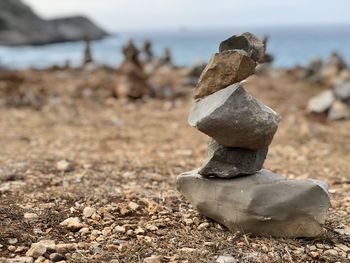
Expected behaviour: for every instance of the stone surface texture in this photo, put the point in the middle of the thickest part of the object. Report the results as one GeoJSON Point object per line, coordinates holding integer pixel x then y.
{"type": "Point", "coordinates": [265, 203]}
{"type": "Point", "coordinates": [227, 162]}
{"type": "Point", "coordinates": [224, 68]}
{"type": "Point", "coordinates": [235, 119]}
{"type": "Point", "coordinates": [248, 42]}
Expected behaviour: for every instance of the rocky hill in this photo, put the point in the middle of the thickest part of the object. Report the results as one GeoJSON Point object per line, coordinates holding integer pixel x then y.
{"type": "Point", "coordinates": [19, 25]}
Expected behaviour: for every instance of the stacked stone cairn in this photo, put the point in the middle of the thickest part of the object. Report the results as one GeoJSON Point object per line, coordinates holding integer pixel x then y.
{"type": "Point", "coordinates": [132, 80]}
{"type": "Point", "coordinates": [231, 187]}
{"type": "Point", "coordinates": [87, 52]}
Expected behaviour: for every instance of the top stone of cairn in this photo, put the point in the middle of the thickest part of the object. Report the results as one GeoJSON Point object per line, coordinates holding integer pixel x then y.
{"type": "Point", "coordinates": [235, 62]}
{"type": "Point", "coordinates": [224, 69]}
{"type": "Point", "coordinates": [247, 42]}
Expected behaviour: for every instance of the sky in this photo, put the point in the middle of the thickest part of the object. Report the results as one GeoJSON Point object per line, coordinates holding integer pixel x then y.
{"type": "Point", "coordinates": [124, 15]}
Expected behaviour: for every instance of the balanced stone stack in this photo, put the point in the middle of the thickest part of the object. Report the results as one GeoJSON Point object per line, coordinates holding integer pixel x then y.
{"type": "Point", "coordinates": [132, 80]}
{"type": "Point", "coordinates": [231, 187]}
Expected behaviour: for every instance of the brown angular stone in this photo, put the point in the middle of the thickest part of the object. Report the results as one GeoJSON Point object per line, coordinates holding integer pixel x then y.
{"type": "Point", "coordinates": [224, 69]}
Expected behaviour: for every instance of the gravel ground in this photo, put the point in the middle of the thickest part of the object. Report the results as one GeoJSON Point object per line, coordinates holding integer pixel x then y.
{"type": "Point", "coordinates": [110, 168]}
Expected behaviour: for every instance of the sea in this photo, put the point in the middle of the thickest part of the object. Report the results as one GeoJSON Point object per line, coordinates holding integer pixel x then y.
{"type": "Point", "coordinates": [290, 46]}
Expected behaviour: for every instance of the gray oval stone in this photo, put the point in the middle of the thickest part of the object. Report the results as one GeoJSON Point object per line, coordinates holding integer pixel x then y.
{"type": "Point", "coordinates": [235, 119]}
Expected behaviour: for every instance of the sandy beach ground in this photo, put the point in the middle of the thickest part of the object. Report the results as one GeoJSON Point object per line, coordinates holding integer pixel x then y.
{"type": "Point", "coordinates": [122, 159]}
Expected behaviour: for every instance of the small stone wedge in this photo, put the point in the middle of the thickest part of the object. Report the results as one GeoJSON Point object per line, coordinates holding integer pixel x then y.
{"type": "Point", "coordinates": [227, 162]}
{"type": "Point", "coordinates": [248, 42]}
{"type": "Point", "coordinates": [263, 204]}
{"type": "Point", "coordinates": [224, 69]}
{"type": "Point", "coordinates": [235, 119]}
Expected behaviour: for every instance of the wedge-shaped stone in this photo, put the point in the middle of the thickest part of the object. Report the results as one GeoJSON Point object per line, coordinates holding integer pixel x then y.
{"type": "Point", "coordinates": [224, 69]}
{"type": "Point", "coordinates": [263, 204]}
{"type": "Point", "coordinates": [235, 119]}
{"type": "Point", "coordinates": [227, 162]}
{"type": "Point", "coordinates": [248, 42]}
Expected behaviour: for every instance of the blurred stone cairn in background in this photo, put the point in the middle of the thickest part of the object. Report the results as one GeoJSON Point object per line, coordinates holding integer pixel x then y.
{"type": "Point", "coordinates": [87, 58]}
{"type": "Point", "coordinates": [334, 102]}
{"type": "Point", "coordinates": [231, 187]}
{"type": "Point", "coordinates": [132, 81]}
{"type": "Point", "coordinates": [142, 74]}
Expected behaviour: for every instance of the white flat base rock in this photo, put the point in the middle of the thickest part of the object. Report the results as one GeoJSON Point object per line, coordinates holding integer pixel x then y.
{"type": "Point", "coordinates": [263, 204]}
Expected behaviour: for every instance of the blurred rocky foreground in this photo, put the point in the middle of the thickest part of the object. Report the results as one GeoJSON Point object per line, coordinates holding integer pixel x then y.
{"type": "Point", "coordinates": [88, 175]}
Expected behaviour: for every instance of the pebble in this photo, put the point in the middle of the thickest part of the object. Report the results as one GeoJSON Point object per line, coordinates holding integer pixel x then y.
{"type": "Point", "coordinates": [88, 211]}
{"type": "Point", "coordinates": [318, 245]}
{"type": "Point", "coordinates": [95, 247]}
{"type": "Point", "coordinates": [151, 228]}
{"type": "Point", "coordinates": [50, 245]}
{"type": "Point", "coordinates": [55, 257]}
{"type": "Point", "coordinates": [36, 250]}
{"type": "Point", "coordinates": [120, 229]}
{"type": "Point", "coordinates": [64, 248]}
{"type": "Point", "coordinates": [95, 216]}
{"type": "Point", "coordinates": [343, 247]}
{"type": "Point", "coordinates": [139, 230]}
{"type": "Point", "coordinates": [331, 252]}
{"type": "Point", "coordinates": [12, 241]}
{"type": "Point", "coordinates": [107, 231]}
{"type": "Point", "coordinates": [264, 248]}
{"type": "Point", "coordinates": [345, 231]}
{"type": "Point", "coordinates": [225, 259]}
{"type": "Point", "coordinates": [19, 260]}
{"type": "Point", "coordinates": [84, 230]}
{"type": "Point", "coordinates": [20, 249]}
{"type": "Point", "coordinates": [187, 249]}
{"type": "Point", "coordinates": [133, 205]}
{"type": "Point", "coordinates": [64, 166]}
{"type": "Point", "coordinates": [72, 223]}
{"type": "Point", "coordinates": [312, 248]}
{"type": "Point", "coordinates": [30, 216]}
{"type": "Point", "coordinates": [188, 221]}
{"type": "Point", "coordinates": [152, 259]}
{"type": "Point", "coordinates": [203, 226]}
{"type": "Point", "coordinates": [11, 248]}
{"type": "Point", "coordinates": [100, 239]}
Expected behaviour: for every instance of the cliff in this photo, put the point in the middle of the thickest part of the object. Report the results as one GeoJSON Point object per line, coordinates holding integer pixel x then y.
{"type": "Point", "coordinates": [19, 25]}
